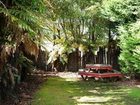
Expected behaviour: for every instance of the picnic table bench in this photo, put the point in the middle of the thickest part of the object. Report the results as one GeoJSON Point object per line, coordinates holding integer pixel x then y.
{"type": "Point", "coordinates": [99, 71]}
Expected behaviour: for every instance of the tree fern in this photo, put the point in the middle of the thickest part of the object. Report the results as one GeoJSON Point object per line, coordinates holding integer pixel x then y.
{"type": "Point", "coordinates": [28, 16]}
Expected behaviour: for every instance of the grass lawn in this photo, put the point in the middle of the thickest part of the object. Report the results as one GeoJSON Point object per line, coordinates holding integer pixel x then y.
{"type": "Point", "coordinates": [58, 91]}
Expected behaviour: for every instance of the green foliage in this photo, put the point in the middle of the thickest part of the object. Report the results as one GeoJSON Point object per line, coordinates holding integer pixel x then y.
{"type": "Point", "coordinates": [121, 11]}
{"type": "Point", "coordinates": [28, 16]}
{"type": "Point", "coordinates": [25, 62]}
{"type": "Point", "coordinates": [77, 25]}
{"type": "Point", "coordinates": [127, 14]}
{"type": "Point", "coordinates": [5, 36]}
{"type": "Point", "coordinates": [130, 45]}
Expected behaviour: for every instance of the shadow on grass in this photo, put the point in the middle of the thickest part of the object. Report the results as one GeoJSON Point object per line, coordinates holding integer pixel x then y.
{"type": "Point", "coordinates": [58, 91]}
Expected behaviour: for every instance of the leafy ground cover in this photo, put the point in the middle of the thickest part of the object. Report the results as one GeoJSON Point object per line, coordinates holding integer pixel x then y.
{"type": "Point", "coordinates": [66, 91]}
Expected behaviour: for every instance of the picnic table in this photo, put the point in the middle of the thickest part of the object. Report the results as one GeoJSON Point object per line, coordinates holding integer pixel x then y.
{"type": "Point", "coordinates": [99, 66]}
{"type": "Point", "coordinates": [99, 71]}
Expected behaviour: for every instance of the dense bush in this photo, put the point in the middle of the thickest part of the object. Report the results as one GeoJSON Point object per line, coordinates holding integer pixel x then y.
{"type": "Point", "coordinates": [130, 45]}
{"type": "Point", "coordinates": [126, 14]}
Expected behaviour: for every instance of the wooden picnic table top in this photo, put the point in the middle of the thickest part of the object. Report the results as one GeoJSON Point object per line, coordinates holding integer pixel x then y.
{"type": "Point", "coordinates": [99, 66]}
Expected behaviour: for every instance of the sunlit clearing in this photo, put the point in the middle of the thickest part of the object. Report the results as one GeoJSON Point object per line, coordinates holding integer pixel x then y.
{"type": "Point", "coordinates": [97, 88]}
{"type": "Point", "coordinates": [88, 104]}
{"type": "Point", "coordinates": [138, 86]}
{"type": "Point", "coordinates": [87, 99]}
{"type": "Point", "coordinates": [71, 79]}
{"type": "Point", "coordinates": [120, 91]}
{"type": "Point", "coordinates": [93, 91]}
{"type": "Point", "coordinates": [69, 76]}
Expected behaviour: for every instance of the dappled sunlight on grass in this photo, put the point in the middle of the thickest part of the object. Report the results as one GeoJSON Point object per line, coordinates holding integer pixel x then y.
{"type": "Point", "coordinates": [92, 99]}
{"type": "Point", "coordinates": [119, 91]}
{"type": "Point", "coordinates": [94, 91]}
{"type": "Point", "coordinates": [87, 104]}
{"type": "Point", "coordinates": [103, 95]}
{"type": "Point", "coordinates": [71, 79]}
{"type": "Point", "coordinates": [71, 91]}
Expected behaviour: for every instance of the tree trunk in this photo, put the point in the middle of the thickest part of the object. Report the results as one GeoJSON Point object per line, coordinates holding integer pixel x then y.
{"type": "Point", "coordinates": [42, 60]}
{"type": "Point", "coordinates": [73, 61]}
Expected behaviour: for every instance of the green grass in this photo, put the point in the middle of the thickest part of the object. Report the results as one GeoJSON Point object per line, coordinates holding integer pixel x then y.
{"type": "Point", "coordinates": [58, 91]}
